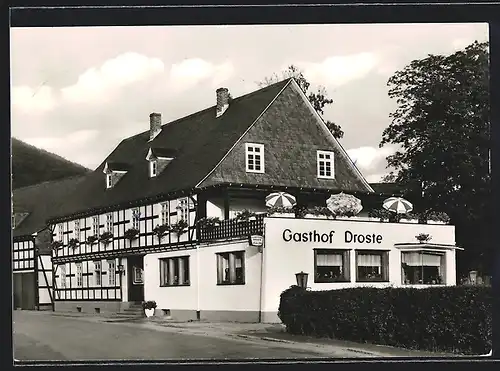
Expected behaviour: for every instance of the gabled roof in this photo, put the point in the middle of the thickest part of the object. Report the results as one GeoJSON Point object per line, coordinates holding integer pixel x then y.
{"type": "Point", "coordinates": [388, 189]}
{"type": "Point", "coordinates": [163, 152]}
{"type": "Point", "coordinates": [199, 142]}
{"type": "Point", "coordinates": [41, 201]}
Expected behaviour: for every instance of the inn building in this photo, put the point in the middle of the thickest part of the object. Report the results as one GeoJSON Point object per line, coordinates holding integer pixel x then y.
{"type": "Point", "coordinates": [135, 229]}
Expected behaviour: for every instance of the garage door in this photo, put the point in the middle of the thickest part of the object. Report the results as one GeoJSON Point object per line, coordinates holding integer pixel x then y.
{"type": "Point", "coordinates": [24, 290]}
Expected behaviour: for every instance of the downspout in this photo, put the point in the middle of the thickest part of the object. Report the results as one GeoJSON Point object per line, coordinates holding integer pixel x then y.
{"type": "Point", "coordinates": [261, 291]}
{"type": "Point", "coordinates": [198, 312]}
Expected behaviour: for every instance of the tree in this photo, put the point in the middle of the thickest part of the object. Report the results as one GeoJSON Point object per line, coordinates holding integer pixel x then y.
{"type": "Point", "coordinates": [319, 99]}
{"type": "Point", "coordinates": [442, 126]}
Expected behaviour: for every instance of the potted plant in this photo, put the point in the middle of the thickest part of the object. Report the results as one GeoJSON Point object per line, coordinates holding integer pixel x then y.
{"type": "Point", "coordinates": [56, 245]}
{"type": "Point", "coordinates": [423, 237]}
{"type": "Point", "coordinates": [92, 239]}
{"type": "Point", "coordinates": [282, 211]}
{"type": "Point", "coordinates": [149, 307]}
{"type": "Point", "coordinates": [320, 212]}
{"type": "Point", "coordinates": [106, 237]}
{"type": "Point", "coordinates": [245, 216]}
{"type": "Point", "coordinates": [131, 234]}
{"type": "Point", "coordinates": [179, 228]}
{"type": "Point", "coordinates": [73, 243]}
{"type": "Point", "coordinates": [209, 222]}
{"type": "Point", "coordinates": [161, 230]}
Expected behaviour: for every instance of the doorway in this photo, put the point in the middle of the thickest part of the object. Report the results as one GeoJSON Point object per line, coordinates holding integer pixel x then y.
{"type": "Point", "coordinates": [24, 290]}
{"type": "Point", "coordinates": [135, 267]}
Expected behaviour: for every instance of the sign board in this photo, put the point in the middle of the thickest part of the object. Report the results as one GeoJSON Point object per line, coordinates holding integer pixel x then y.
{"type": "Point", "coordinates": [256, 240]}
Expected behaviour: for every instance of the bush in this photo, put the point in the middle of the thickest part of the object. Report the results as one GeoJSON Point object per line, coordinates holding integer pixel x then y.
{"type": "Point", "coordinates": [448, 319]}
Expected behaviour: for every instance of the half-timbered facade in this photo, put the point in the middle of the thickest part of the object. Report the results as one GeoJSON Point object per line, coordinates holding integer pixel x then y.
{"type": "Point", "coordinates": [132, 229]}
{"type": "Point", "coordinates": [31, 254]}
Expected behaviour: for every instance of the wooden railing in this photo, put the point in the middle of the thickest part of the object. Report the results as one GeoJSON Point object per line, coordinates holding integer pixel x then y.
{"type": "Point", "coordinates": [228, 229]}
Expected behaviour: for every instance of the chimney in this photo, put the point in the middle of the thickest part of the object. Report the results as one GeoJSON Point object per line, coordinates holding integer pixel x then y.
{"type": "Point", "coordinates": [154, 125]}
{"type": "Point", "coordinates": [222, 100]}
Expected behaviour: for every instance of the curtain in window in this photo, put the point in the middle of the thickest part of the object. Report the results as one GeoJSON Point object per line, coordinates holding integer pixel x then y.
{"type": "Point", "coordinates": [329, 260]}
{"type": "Point", "coordinates": [369, 260]}
{"type": "Point", "coordinates": [413, 259]}
{"type": "Point", "coordinates": [237, 261]}
{"type": "Point", "coordinates": [431, 260]}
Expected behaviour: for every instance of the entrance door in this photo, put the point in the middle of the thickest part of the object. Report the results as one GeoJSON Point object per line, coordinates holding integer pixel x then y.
{"type": "Point", "coordinates": [24, 290]}
{"type": "Point", "coordinates": [136, 278]}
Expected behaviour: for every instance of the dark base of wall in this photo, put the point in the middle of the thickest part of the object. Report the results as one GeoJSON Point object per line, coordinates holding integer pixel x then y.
{"type": "Point", "coordinates": [211, 315]}
{"type": "Point", "coordinates": [45, 306]}
{"type": "Point", "coordinates": [90, 306]}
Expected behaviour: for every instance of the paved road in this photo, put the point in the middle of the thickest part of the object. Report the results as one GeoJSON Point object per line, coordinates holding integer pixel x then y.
{"type": "Point", "coordinates": [45, 337]}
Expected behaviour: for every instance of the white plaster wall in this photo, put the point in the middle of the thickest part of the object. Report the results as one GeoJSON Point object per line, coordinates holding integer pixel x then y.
{"type": "Point", "coordinates": [215, 297]}
{"type": "Point", "coordinates": [203, 292]}
{"type": "Point", "coordinates": [283, 259]}
{"type": "Point", "coordinates": [124, 278]}
{"type": "Point", "coordinates": [43, 293]}
{"type": "Point", "coordinates": [172, 297]}
{"type": "Point", "coordinates": [215, 207]}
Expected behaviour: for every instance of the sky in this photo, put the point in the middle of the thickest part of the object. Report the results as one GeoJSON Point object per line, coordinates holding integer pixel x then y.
{"type": "Point", "coordinates": [79, 91]}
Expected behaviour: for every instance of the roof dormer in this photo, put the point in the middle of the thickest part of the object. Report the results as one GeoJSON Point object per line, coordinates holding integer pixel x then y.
{"type": "Point", "coordinates": [114, 172]}
{"type": "Point", "coordinates": [158, 159]}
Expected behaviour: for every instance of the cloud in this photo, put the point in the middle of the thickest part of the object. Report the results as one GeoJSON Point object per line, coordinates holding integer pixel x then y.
{"type": "Point", "coordinates": [369, 158]}
{"type": "Point", "coordinates": [99, 83]}
{"type": "Point", "coordinates": [189, 72]}
{"type": "Point", "coordinates": [30, 99]}
{"type": "Point", "coordinates": [65, 143]}
{"type": "Point", "coordinates": [375, 178]}
{"type": "Point", "coordinates": [339, 70]}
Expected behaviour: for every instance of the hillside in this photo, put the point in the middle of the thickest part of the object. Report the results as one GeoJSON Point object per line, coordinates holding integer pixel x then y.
{"type": "Point", "coordinates": [32, 165]}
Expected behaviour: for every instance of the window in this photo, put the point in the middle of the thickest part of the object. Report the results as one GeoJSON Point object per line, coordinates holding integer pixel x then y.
{"type": "Point", "coordinates": [255, 158]}
{"type": "Point", "coordinates": [153, 168]}
{"type": "Point", "coordinates": [109, 222]}
{"type": "Point", "coordinates": [164, 213]}
{"type": "Point", "coordinates": [109, 181]}
{"type": "Point", "coordinates": [137, 277]}
{"type": "Point", "coordinates": [13, 221]}
{"type": "Point", "coordinates": [325, 164]}
{"type": "Point", "coordinates": [111, 272]}
{"type": "Point", "coordinates": [79, 275]}
{"type": "Point", "coordinates": [174, 271]}
{"type": "Point", "coordinates": [63, 276]}
{"type": "Point", "coordinates": [61, 232]}
{"type": "Point", "coordinates": [136, 215]}
{"type": "Point", "coordinates": [231, 268]}
{"type": "Point", "coordinates": [77, 229]}
{"type": "Point", "coordinates": [95, 225]}
{"type": "Point", "coordinates": [372, 266]}
{"type": "Point", "coordinates": [331, 266]}
{"type": "Point", "coordinates": [422, 267]}
{"type": "Point", "coordinates": [97, 273]}
{"type": "Point", "coordinates": [184, 209]}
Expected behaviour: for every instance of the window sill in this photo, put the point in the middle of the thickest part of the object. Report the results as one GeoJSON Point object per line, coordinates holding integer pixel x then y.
{"type": "Point", "coordinates": [326, 177]}
{"type": "Point", "coordinates": [333, 281]}
{"type": "Point", "coordinates": [230, 284]}
{"type": "Point", "coordinates": [369, 281]}
{"type": "Point", "coordinates": [255, 171]}
{"type": "Point", "coordinates": [181, 285]}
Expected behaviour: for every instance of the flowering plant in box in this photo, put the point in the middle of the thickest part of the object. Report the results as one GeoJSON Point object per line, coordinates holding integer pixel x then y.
{"type": "Point", "coordinates": [161, 230]}
{"type": "Point", "coordinates": [56, 244]}
{"type": "Point", "coordinates": [131, 234]}
{"type": "Point", "coordinates": [149, 304]}
{"type": "Point", "coordinates": [179, 228]}
{"type": "Point", "coordinates": [73, 243]}
{"type": "Point", "coordinates": [209, 222]}
{"type": "Point", "coordinates": [106, 237]}
{"type": "Point", "coordinates": [423, 237]}
{"type": "Point", "coordinates": [280, 210]}
{"type": "Point", "coordinates": [245, 215]}
{"type": "Point", "coordinates": [92, 239]}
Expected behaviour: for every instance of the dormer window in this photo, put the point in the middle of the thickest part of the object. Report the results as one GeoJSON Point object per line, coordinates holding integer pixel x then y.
{"type": "Point", "coordinates": [254, 158]}
{"type": "Point", "coordinates": [325, 164]}
{"type": "Point", "coordinates": [109, 180]}
{"type": "Point", "coordinates": [153, 168]}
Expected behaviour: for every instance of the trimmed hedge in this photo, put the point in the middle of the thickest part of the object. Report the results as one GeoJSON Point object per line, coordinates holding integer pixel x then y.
{"type": "Point", "coordinates": [453, 319]}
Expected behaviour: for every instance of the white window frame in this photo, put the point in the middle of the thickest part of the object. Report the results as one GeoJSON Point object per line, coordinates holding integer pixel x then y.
{"type": "Point", "coordinates": [62, 276]}
{"type": "Point", "coordinates": [384, 265]}
{"type": "Point", "coordinates": [79, 274]}
{"type": "Point", "coordinates": [109, 222]}
{"type": "Point", "coordinates": [183, 212]}
{"type": "Point", "coordinates": [345, 274]}
{"type": "Point", "coordinates": [95, 225]}
{"type": "Point", "coordinates": [136, 215]}
{"type": "Point", "coordinates": [97, 273]}
{"type": "Point", "coordinates": [324, 158]}
{"type": "Point", "coordinates": [60, 231]}
{"type": "Point", "coordinates": [153, 168]}
{"type": "Point", "coordinates": [229, 259]}
{"type": "Point", "coordinates": [250, 151]}
{"type": "Point", "coordinates": [164, 214]}
{"type": "Point", "coordinates": [168, 269]}
{"type": "Point", "coordinates": [13, 221]}
{"type": "Point", "coordinates": [77, 229]}
{"type": "Point", "coordinates": [109, 181]}
{"type": "Point", "coordinates": [112, 272]}
{"type": "Point", "coordinates": [442, 266]}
